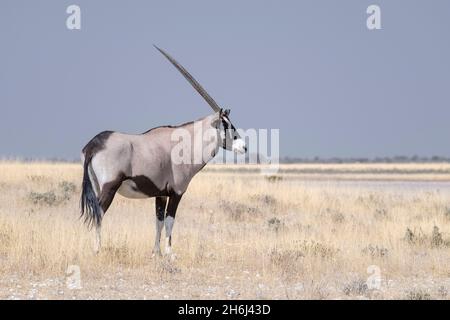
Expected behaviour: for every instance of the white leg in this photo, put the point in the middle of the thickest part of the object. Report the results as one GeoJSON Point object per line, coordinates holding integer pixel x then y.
{"type": "Point", "coordinates": [98, 239]}
{"type": "Point", "coordinates": [169, 225]}
{"type": "Point", "coordinates": [168, 222]}
{"type": "Point", "coordinates": [159, 226]}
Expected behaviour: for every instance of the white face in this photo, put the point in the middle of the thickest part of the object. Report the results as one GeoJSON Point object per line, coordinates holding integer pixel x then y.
{"type": "Point", "coordinates": [239, 146]}
{"type": "Point", "coordinates": [231, 137]}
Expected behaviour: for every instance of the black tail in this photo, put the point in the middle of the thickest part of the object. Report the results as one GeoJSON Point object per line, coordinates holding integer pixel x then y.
{"type": "Point", "coordinates": [90, 207]}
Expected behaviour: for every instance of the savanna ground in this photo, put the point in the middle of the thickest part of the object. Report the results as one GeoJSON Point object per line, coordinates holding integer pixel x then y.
{"type": "Point", "coordinates": [345, 231]}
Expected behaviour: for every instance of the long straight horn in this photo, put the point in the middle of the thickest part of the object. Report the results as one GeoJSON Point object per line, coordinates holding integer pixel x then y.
{"type": "Point", "coordinates": [191, 80]}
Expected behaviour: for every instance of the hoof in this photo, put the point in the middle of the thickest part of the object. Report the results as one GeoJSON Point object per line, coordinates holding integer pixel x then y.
{"type": "Point", "coordinates": [156, 254]}
{"type": "Point", "coordinates": [170, 256]}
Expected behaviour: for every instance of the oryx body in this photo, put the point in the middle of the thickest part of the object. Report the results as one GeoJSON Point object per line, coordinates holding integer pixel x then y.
{"type": "Point", "coordinates": [143, 166]}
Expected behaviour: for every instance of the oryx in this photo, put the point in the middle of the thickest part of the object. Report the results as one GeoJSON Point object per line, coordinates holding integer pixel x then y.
{"type": "Point", "coordinates": [142, 166]}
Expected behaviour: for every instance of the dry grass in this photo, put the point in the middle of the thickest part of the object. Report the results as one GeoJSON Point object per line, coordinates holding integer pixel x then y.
{"type": "Point", "coordinates": [237, 235]}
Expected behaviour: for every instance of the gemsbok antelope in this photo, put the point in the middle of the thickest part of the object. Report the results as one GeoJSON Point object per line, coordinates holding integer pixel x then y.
{"type": "Point", "coordinates": [143, 165]}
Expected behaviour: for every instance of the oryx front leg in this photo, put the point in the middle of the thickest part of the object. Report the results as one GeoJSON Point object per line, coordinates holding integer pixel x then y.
{"type": "Point", "coordinates": [160, 206]}
{"type": "Point", "coordinates": [169, 221]}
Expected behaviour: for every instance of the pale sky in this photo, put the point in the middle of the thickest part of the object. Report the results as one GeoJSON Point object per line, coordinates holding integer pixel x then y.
{"type": "Point", "coordinates": [309, 68]}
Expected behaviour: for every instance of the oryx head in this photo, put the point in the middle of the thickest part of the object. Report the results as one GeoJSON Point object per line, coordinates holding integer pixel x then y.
{"type": "Point", "coordinates": [230, 138]}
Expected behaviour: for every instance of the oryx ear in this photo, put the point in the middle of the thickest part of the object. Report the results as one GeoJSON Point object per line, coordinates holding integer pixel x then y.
{"type": "Point", "coordinates": [216, 122]}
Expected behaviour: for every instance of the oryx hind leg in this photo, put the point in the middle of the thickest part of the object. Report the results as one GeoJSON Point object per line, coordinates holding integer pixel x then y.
{"type": "Point", "coordinates": [98, 226]}
{"type": "Point", "coordinates": [160, 208]}
{"type": "Point", "coordinates": [105, 192]}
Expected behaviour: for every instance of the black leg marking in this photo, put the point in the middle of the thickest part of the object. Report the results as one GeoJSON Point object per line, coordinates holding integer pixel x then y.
{"type": "Point", "coordinates": [160, 205]}
{"type": "Point", "coordinates": [174, 200]}
{"type": "Point", "coordinates": [107, 194]}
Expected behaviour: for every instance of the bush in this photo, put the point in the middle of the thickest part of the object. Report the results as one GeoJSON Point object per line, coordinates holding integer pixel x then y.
{"type": "Point", "coordinates": [418, 294]}
{"type": "Point", "coordinates": [62, 194]}
{"type": "Point", "coordinates": [286, 260]}
{"type": "Point", "coordinates": [67, 190]}
{"type": "Point", "coordinates": [274, 224]}
{"type": "Point", "coordinates": [375, 251]}
{"type": "Point", "coordinates": [447, 213]}
{"type": "Point", "coordinates": [316, 249]}
{"type": "Point", "coordinates": [381, 213]}
{"type": "Point", "coordinates": [414, 237]}
{"type": "Point", "coordinates": [358, 287]}
{"type": "Point", "coordinates": [274, 178]}
{"type": "Point", "coordinates": [236, 210]}
{"type": "Point", "coordinates": [436, 238]}
{"type": "Point", "coordinates": [265, 199]}
{"type": "Point", "coordinates": [44, 198]}
{"type": "Point", "coordinates": [337, 217]}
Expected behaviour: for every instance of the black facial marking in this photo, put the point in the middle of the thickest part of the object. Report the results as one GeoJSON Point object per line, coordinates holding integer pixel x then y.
{"type": "Point", "coordinates": [230, 131]}
{"type": "Point", "coordinates": [225, 128]}
{"type": "Point", "coordinates": [225, 125]}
